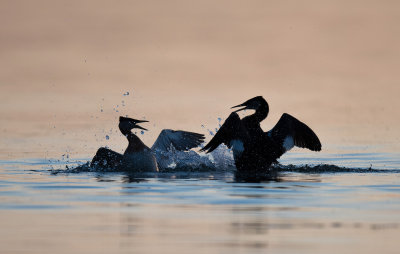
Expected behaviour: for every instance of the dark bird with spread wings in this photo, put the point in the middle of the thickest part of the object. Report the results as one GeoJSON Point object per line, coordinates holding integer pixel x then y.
{"type": "Point", "coordinates": [255, 150]}
{"type": "Point", "coordinates": [138, 157]}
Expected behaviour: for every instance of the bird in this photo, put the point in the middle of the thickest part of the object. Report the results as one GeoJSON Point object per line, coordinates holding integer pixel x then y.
{"type": "Point", "coordinates": [254, 150]}
{"type": "Point", "coordinates": [138, 157]}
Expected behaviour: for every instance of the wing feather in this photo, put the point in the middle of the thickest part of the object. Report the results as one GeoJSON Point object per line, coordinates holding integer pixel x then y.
{"type": "Point", "coordinates": [230, 130]}
{"type": "Point", "coordinates": [180, 140]}
{"type": "Point", "coordinates": [302, 135]}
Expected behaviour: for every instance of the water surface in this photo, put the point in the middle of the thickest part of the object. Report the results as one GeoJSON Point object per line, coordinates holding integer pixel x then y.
{"type": "Point", "coordinates": [352, 210]}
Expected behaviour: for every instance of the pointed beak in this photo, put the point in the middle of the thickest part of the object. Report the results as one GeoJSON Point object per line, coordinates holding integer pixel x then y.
{"type": "Point", "coordinates": [140, 127]}
{"type": "Point", "coordinates": [240, 105]}
{"type": "Point", "coordinates": [126, 124]}
{"type": "Point", "coordinates": [141, 121]}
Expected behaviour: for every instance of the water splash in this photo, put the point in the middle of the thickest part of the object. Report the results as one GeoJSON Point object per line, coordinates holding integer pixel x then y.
{"type": "Point", "coordinates": [221, 159]}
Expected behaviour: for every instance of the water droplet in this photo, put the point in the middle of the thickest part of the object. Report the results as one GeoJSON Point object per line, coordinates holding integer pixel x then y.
{"type": "Point", "coordinates": [107, 137]}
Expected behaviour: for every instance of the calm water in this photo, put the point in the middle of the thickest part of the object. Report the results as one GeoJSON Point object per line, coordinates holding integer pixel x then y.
{"type": "Point", "coordinates": [347, 211]}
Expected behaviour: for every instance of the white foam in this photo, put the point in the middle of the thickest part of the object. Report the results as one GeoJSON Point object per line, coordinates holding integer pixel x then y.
{"type": "Point", "coordinates": [220, 159]}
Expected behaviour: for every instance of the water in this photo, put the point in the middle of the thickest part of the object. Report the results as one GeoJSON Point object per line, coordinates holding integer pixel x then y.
{"type": "Point", "coordinates": [345, 210]}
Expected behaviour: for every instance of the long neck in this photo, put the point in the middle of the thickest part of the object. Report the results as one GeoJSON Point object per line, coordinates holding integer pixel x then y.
{"type": "Point", "coordinates": [260, 114]}
{"type": "Point", "coordinates": [135, 144]}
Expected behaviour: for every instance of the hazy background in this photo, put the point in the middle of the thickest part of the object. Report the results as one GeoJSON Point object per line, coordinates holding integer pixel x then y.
{"type": "Point", "coordinates": [65, 66]}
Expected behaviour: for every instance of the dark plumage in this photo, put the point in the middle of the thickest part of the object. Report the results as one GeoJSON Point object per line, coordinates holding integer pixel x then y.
{"type": "Point", "coordinates": [138, 156]}
{"type": "Point", "coordinates": [255, 150]}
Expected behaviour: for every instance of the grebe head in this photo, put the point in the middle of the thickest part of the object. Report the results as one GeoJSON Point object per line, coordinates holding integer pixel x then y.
{"type": "Point", "coordinates": [254, 103]}
{"type": "Point", "coordinates": [126, 124]}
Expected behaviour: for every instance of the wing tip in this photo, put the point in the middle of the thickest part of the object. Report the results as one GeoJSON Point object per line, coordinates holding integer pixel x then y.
{"type": "Point", "coordinates": [316, 147]}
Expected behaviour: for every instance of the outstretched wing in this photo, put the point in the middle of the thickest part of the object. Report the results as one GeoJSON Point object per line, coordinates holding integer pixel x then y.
{"type": "Point", "coordinates": [181, 140]}
{"type": "Point", "coordinates": [232, 129]}
{"type": "Point", "coordinates": [291, 132]}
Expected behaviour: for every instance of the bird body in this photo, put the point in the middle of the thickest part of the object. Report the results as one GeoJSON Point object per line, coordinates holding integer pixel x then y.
{"type": "Point", "coordinates": [255, 150]}
{"type": "Point", "coordinates": [140, 161]}
{"type": "Point", "coordinates": [138, 157]}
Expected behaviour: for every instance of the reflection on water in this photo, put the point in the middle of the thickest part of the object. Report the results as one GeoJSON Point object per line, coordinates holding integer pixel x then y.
{"type": "Point", "coordinates": [197, 212]}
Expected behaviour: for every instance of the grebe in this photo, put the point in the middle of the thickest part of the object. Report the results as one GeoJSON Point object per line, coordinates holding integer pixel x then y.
{"type": "Point", "coordinates": [255, 150]}
{"type": "Point", "coordinates": [138, 157]}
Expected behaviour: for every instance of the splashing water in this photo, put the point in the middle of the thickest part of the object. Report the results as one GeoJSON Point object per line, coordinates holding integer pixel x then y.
{"type": "Point", "coordinates": [221, 159]}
